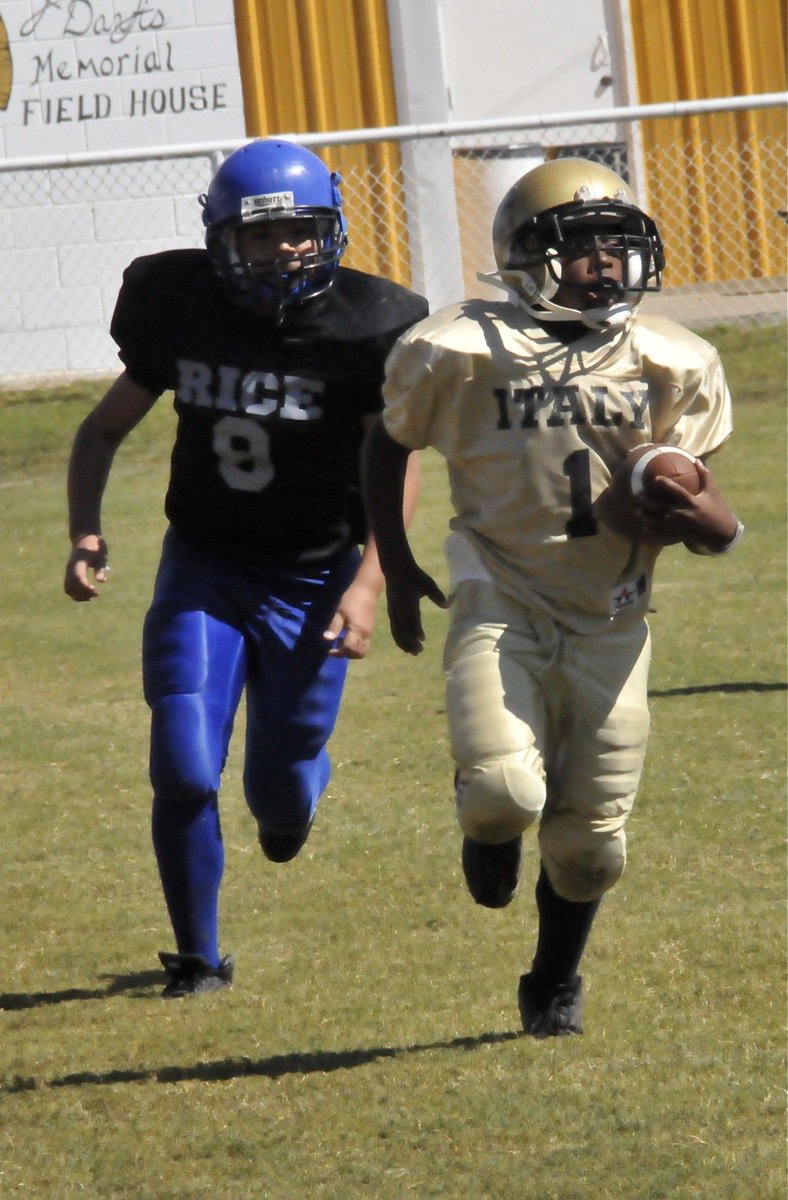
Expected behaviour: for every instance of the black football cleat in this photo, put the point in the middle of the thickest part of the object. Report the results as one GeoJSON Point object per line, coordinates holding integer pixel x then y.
{"type": "Point", "coordinates": [492, 871]}
{"type": "Point", "coordinates": [551, 1012]}
{"type": "Point", "coordinates": [281, 847]}
{"type": "Point", "coordinates": [190, 975]}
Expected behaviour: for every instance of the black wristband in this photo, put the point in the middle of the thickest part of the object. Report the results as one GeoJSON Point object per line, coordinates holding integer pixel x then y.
{"type": "Point", "coordinates": [97, 559]}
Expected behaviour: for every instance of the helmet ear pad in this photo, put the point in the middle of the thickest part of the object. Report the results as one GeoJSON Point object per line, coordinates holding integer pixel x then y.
{"type": "Point", "coordinates": [635, 270]}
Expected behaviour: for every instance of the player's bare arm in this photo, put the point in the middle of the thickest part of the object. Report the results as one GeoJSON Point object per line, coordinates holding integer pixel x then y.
{"type": "Point", "coordinates": [357, 610]}
{"type": "Point", "coordinates": [95, 443]}
{"type": "Point", "coordinates": [385, 465]}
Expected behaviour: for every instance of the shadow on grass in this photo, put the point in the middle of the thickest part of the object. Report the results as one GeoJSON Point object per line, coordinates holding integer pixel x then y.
{"type": "Point", "coordinates": [320, 1061]}
{"type": "Point", "coordinates": [137, 985]}
{"type": "Point", "coordinates": [701, 688]}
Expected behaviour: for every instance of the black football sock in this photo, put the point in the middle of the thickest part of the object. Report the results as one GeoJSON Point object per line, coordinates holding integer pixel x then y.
{"type": "Point", "coordinates": [564, 926]}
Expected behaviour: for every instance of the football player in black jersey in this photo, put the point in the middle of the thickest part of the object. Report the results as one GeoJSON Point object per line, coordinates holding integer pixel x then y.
{"type": "Point", "coordinates": [275, 354]}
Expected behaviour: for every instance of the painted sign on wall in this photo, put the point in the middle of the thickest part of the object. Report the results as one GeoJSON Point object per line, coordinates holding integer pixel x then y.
{"type": "Point", "coordinates": [116, 74]}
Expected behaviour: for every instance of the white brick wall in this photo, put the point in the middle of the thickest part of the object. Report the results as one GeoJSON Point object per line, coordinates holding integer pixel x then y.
{"type": "Point", "coordinates": [102, 76]}
{"type": "Point", "coordinates": [62, 262]}
{"type": "Point", "coordinates": [51, 226]}
{"type": "Point", "coordinates": [136, 218]}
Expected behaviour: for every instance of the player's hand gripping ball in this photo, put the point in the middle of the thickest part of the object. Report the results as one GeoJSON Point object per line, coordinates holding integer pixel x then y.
{"type": "Point", "coordinates": [637, 479]}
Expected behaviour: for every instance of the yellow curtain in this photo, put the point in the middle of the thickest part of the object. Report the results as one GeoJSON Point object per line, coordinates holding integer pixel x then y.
{"type": "Point", "coordinates": [312, 66]}
{"type": "Point", "coordinates": [6, 67]}
{"type": "Point", "coordinates": [710, 177]}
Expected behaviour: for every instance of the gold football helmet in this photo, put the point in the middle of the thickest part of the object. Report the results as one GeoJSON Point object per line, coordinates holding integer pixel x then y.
{"type": "Point", "coordinates": [554, 208]}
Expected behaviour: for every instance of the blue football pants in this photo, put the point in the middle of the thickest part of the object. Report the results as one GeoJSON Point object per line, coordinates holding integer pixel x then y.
{"type": "Point", "coordinates": [214, 628]}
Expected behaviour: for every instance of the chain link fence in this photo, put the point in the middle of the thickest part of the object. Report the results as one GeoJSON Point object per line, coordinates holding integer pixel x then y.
{"type": "Point", "coordinates": [420, 210]}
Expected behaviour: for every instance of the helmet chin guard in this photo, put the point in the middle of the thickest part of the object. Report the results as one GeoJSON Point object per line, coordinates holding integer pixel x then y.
{"type": "Point", "coordinates": [613, 316]}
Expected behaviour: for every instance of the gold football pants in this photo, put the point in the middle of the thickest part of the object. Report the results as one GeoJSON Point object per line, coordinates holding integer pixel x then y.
{"type": "Point", "coordinates": [546, 725]}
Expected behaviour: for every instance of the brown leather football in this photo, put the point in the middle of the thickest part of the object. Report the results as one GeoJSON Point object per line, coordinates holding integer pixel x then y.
{"type": "Point", "coordinates": [669, 461]}
{"type": "Point", "coordinates": [617, 505]}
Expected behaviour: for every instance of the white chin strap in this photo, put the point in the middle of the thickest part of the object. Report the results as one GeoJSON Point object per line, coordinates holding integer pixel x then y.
{"type": "Point", "coordinates": [612, 316]}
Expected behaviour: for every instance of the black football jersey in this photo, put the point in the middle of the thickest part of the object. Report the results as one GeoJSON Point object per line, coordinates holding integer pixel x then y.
{"type": "Point", "coordinates": [265, 462]}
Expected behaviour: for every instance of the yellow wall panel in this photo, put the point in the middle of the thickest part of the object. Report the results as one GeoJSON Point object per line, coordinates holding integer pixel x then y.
{"type": "Point", "coordinates": [312, 66]}
{"type": "Point", "coordinates": [710, 174]}
{"type": "Point", "coordinates": [6, 66]}
{"type": "Point", "coordinates": [759, 44]}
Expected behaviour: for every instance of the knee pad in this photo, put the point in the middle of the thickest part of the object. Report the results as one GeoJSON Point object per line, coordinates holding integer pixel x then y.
{"type": "Point", "coordinates": [497, 800]}
{"type": "Point", "coordinates": [582, 862]}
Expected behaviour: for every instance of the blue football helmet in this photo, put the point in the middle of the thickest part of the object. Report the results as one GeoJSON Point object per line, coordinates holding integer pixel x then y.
{"type": "Point", "coordinates": [272, 180]}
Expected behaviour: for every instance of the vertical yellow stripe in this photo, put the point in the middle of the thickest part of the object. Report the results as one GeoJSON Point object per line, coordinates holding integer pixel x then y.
{"type": "Point", "coordinates": [322, 65]}
{"type": "Point", "coordinates": [247, 34]}
{"type": "Point", "coordinates": [377, 78]}
{"type": "Point", "coordinates": [697, 49]}
{"type": "Point", "coordinates": [753, 195]}
{"type": "Point", "coordinates": [6, 67]}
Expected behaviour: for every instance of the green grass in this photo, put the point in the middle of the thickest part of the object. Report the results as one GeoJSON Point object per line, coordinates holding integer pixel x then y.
{"type": "Point", "coordinates": [370, 1047]}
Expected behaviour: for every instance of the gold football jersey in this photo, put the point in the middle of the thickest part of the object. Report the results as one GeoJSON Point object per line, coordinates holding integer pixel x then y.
{"type": "Point", "coordinates": [532, 430]}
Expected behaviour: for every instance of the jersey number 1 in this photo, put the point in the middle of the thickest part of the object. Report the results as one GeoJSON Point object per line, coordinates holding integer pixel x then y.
{"type": "Point", "coordinates": [582, 523]}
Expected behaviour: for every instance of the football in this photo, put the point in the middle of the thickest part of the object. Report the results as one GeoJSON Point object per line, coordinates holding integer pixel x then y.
{"type": "Point", "coordinates": [668, 461]}
{"type": "Point", "coordinates": [635, 477]}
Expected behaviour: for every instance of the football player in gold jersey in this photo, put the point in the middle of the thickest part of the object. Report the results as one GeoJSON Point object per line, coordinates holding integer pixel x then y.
{"type": "Point", "coordinates": [535, 402]}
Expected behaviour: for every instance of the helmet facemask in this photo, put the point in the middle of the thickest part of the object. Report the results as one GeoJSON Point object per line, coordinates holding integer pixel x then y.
{"type": "Point", "coordinates": [277, 282]}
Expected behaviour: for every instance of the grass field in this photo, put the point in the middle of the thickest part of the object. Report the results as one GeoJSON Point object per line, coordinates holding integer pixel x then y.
{"type": "Point", "coordinates": [370, 1046]}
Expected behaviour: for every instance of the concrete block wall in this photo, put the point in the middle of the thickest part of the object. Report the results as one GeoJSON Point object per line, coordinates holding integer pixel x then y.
{"type": "Point", "coordinates": [101, 77]}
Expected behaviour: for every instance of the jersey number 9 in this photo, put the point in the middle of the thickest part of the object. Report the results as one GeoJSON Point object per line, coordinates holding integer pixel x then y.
{"type": "Point", "coordinates": [243, 449]}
